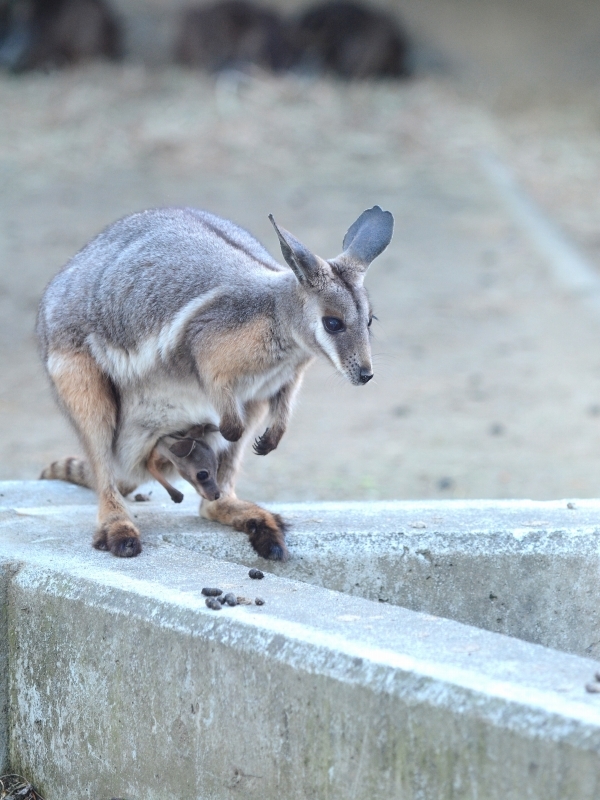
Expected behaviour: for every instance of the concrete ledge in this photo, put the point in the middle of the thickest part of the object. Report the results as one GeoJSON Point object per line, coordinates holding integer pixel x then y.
{"type": "Point", "coordinates": [527, 569]}
{"type": "Point", "coordinates": [5, 575]}
{"type": "Point", "coordinates": [123, 683]}
{"type": "Point", "coordinates": [523, 568]}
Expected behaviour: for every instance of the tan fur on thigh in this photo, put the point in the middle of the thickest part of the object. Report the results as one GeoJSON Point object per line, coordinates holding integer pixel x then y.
{"type": "Point", "coordinates": [87, 395]}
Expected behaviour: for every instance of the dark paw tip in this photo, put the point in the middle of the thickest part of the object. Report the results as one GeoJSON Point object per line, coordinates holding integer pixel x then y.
{"type": "Point", "coordinates": [127, 547]}
{"type": "Point", "coordinates": [100, 544]}
{"type": "Point", "coordinates": [261, 447]}
{"type": "Point", "coordinates": [251, 526]}
{"type": "Point", "coordinates": [277, 553]}
{"type": "Point", "coordinates": [232, 434]}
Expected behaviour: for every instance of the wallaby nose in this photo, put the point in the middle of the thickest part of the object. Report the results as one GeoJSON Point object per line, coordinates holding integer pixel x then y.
{"type": "Point", "coordinates": [365, 375]}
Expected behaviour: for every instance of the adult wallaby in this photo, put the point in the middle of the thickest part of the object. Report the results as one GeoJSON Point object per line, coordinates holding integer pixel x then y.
{"type": "Point", "coordinates": [192, 457]}
{"type": "Point", "coordinates": [351, 40]}
{"type": "Point", "coordinates": [43, 34]}
{"type": "Point", "coordinates": [232, 34]}
{"type": "Point", "coordinates": [174, 315]}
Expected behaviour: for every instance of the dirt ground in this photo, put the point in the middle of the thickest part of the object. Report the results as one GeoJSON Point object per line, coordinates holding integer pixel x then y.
{"type": "Point", "coordinates": [487, 375]}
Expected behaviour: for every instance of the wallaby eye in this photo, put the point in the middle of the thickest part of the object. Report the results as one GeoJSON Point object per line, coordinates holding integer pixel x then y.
{"type": "Point", "coordinates": [333, 325]}
{"type": "Point", "coordinates": [202, 475]}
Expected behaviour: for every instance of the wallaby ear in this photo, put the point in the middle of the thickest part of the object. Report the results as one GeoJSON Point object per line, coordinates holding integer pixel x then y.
{"type": "Point", "coordinates": [200, 431]}
{"type": "Point", "coordinates": [308, 268]}
{"type": "Point", "coordinates": [365, 240]}
{"type": "Point", "coordinates": [182, 447]}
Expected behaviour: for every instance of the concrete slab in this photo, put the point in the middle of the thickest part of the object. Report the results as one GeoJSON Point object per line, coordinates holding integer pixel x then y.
{"type": "Point", "coordinates": [5, 573]}
{"type": "Point", "coordinates": [313, 695]}
{"type": "Point", "coordinates": [123, 683]}
{"type": "Point", "coordinates": [524, 568]}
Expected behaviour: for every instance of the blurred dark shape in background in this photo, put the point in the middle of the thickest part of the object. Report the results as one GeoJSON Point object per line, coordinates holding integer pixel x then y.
{"type": "Point", "coordinates": [44, 34]}
{"type": "Point", "coordinates": [340, 37]}
{"type": "Point", "coordinates": [231, 35]}
{"type": "Point", "coordinates": [348, 39]}
{"type": "Point", "coordinates": [352, 40]}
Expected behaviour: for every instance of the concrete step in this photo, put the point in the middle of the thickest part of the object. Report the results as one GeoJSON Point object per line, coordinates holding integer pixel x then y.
{"type": "Point", "coordinates": [122, 683]}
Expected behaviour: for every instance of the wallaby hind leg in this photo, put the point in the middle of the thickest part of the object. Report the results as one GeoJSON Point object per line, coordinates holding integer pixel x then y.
{"type": "Point", "coordinates": [153, 465]}
{"type": "Point", "coordinates": [88, 397]}
{"type": "Point", "coordinates": [265, 530]}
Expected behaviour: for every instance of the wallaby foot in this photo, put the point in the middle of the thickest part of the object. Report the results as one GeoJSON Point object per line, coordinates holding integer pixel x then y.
{"type": "Point", "coordinates": [120, 536]}
{"type": "Point", "coordinates": [265, 530]}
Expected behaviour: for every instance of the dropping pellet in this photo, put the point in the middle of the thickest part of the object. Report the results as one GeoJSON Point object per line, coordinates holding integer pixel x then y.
{"type": "Point", "coordinates": [209, 592]}
{"type": "Point", "coordinates": [256, 574]}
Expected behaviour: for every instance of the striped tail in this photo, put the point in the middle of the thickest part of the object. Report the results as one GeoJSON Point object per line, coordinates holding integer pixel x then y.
{"type": "Point", "coordinates": [71, 469]}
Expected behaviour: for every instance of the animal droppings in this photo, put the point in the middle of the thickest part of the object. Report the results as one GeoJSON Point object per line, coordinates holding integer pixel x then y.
{"type": "Point", "coordinates": [213, 603]}
{"type": "Point", "coordinates": [259, 601]}
{"type": "Point", "coordinates": [208, 592]}
{"type": "Point", "coordinates": [571, 506]}
{"type": "Point", "coordinates": [243, 601]}
{"type": "Point", "coordinates": [230, 599]}
{"type": "Point", "coordinates": [594, 687]}
{"type": "Point", "coordinates": [256, 574]}
{"type": "Point", "coordinates": [142, 498]}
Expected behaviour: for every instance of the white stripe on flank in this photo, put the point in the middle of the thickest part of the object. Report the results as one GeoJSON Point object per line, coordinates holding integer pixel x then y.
{"type": "Point", "coordinates": [128, 365]}
{"type": "Point", "coordinates": [57, 363]}
{"type": "Point", "coordinates": [171, 334]}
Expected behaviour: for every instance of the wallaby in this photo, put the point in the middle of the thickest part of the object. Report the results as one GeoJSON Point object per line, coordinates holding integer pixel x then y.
{"type": "Point", "coordinates": [173, 315]}
{"type": "Point", "coordinates": [195, 461]}
{"type": "Point", "coordinates": [232, 34]}
{"type": "Point", "coordinates": [41, 34]}
{"type": "Point", "coordinates": [351, 40]}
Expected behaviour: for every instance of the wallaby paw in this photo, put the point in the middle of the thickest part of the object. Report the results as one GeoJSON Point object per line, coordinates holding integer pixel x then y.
{"type": "Point", "coordinates": [121, 537]}
{"type": "Point", "coordinates": [231, 430]}
{"type": "Point", "coordinates": [265, 444]}
{"type": "Point", "coordinates": [267, 536]}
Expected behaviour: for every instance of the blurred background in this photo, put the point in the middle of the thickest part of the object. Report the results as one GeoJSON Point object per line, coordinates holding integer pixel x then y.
{"type": "Point", "coordinates": [476, 122]}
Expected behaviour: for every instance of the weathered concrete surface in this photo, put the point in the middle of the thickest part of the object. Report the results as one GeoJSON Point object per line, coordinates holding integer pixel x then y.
{"type": "Point", "coordinates": [523, 568]}
{"type": "Point", "coordinates": [123, 684]}
{"type": "Point", "coordinates": [5, 573]}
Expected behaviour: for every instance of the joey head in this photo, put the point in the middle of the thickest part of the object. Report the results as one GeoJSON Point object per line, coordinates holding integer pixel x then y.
{"type": "Point", "coordinates": [193, 459]}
